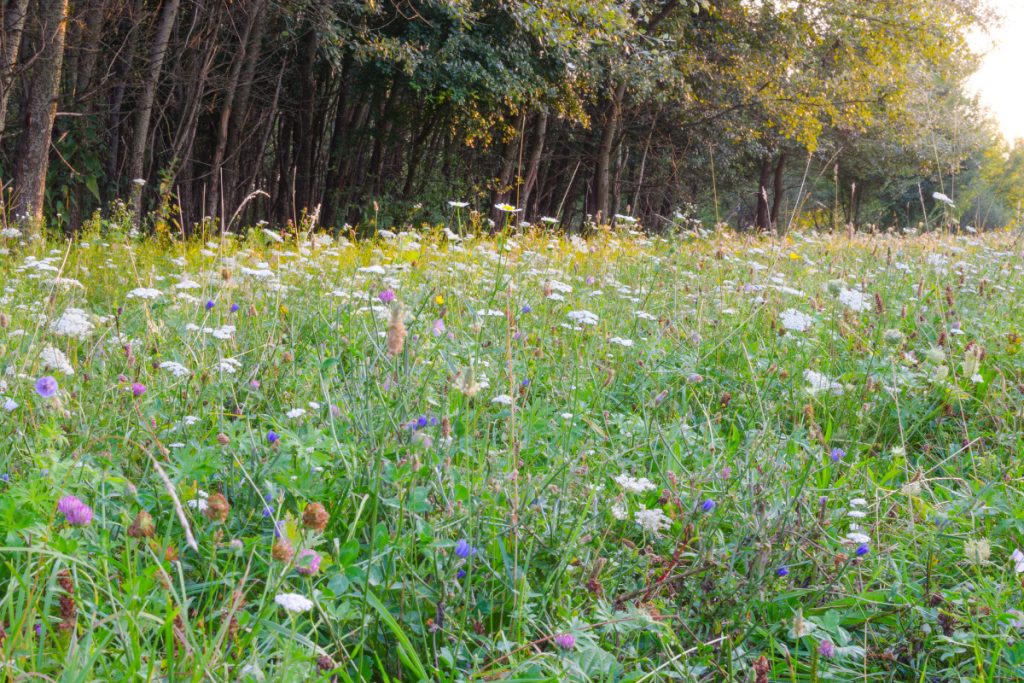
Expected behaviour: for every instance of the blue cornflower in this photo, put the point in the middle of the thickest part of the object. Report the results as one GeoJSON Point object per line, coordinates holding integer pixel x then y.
{"type": "Point", "coordinates": [268, 511]}
{"type": "Point", "coordinates": [273, 437]}
{"type": "Point", "coordinates": [422, 422]}
{"type": "Point", "coordinates": [837, 454]}
{"type": "Point", "coordinates": [708, 505]}
{"type": "Point", "coordinates": [782, 571]}
{"type": "Point", "coordinates": [210, 304]}
{"type": "Point", "coordinates": [463, 549]}
{"type": "Point", "coordinates": [5, 477]}
{"type": "Point", "coordinates": [461, 574]}
{"type": "Point", "coordinates": [526, 308]}
{"type": "Point", "coordinates": [526, 382]}
{"type": "Point", "coordinates": [863, 550]}
{"type": "Point", "coordinates": [234, 308]}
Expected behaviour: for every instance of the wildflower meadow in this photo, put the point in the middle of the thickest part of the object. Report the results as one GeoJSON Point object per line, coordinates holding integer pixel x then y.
{"type": "Point", "coordinates": [430, 456]}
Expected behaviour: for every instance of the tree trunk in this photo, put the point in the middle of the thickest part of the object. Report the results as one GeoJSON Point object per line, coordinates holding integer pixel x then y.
{"type": "Point", "coordinates": [226, 110]}
{"type": "Point", "coordinates": [533, 165]}
{"type": "Point", "coordinates": [502, 191]}
{"type": "Point", "coordinates": [10, 42]}
{"type": "Point", "coordinates": [144, 108]}
{"type": "Point", "coordinates": [602, 174]}
{"type": "Point", "coordinates": [40, 110]}
{"type": "Point", "coordinates": [778, 190]}
{"type": "Point", "coordinates": [763, 220]}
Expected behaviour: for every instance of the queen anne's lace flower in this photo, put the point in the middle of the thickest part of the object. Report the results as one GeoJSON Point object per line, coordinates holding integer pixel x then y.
{"type": "Point", "coordinates": [293, 602]}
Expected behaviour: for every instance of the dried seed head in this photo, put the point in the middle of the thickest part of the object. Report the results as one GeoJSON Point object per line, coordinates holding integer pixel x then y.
{"type": "Point", "coordinates": [217, 508]}
{"type": "Point", "coordinates": [396, 332]}
{"type": "Point", "coordinates": [315, 517]}
{"type": "Point", "coordinates": [282, 551]}
{"type": "Point", "coordinates": [223, 439]}
{"type": "Point", "coordinates": [142, 526]}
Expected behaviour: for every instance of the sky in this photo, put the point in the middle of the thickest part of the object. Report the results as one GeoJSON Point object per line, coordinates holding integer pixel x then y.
{"type": "Point", "coordinates": [999, 81]}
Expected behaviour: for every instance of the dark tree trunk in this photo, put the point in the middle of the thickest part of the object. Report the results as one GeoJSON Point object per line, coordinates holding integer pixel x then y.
{"type": "Point", "coordinates": [600, 199]}
{"type": "Point", "coordinates": [144, 108]}
{"type": "Point", "coordinates": [15, 12]}
{"type": "Point", "coordinates": [533, 166]}
{"type": "Point", "coordinates": [40, 110]}
{"type": "Point", "coordinates": [779, 189]}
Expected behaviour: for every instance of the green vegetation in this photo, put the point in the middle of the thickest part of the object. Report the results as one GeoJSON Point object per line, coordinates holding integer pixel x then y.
{"type": "Point", "coordinates": [513, 458]}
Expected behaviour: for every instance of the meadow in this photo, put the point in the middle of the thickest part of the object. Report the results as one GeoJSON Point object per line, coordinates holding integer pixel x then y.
{"type": "Point", "coordinates": [433, 456]}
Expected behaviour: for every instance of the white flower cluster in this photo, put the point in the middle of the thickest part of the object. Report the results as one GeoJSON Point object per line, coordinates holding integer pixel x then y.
{"type": "Point", "coordinates": [634, 485]}
{"type": "Point", "coordinates": [795, 321]}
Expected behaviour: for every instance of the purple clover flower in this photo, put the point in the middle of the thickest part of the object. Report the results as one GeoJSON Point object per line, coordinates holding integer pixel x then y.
{"type": "Point", "coordinates": [307, 562]}
{"type": "Point", "coordinates": [565, 641]}
{"type": "Point", "coordinates": [138, 389]}
{"type": "Point", "coordinates": [76, 513]}
{"type": "Point", "coordinates": [827, 649]}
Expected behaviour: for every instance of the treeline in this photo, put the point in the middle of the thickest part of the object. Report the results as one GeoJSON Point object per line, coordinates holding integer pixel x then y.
{"type": "Point", "coordinates": [758, 111]}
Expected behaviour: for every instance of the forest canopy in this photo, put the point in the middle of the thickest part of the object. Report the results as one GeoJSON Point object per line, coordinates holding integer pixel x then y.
{"type": "Point", "coordinates": [759, 114]}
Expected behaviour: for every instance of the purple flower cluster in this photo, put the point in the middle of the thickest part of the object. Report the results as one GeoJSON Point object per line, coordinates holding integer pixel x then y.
{"type": "Point", "coordinates": [421, 422]}
{"type": "Point", "coordinates": [75, 512]}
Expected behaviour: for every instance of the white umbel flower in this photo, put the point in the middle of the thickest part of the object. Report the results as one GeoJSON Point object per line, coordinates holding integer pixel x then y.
{"type": "Point", "coordinates": [54, 359]}
{"type": "Point", "coordinates": [143, 293]}
{"type": "Point", "coordinates": [854, 300]}
{"type": "Point", "coordinates": [583, 317]}
{"type": "Point", "coordinates": [652, 521]}
{"type": "Point", "coordinates": [294, 603]}
{"type": "Point", "coordinates": [795, 321]}
{"type": "Point", "coordinates": [634, 485]}
{"type": "Point", "coordinates": [73, 322]}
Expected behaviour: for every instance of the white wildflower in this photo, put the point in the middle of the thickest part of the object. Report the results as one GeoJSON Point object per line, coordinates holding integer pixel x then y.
{"type": "Point", "coordinates": [795, 321]}
{"type": "Point", "coordinates": [293, 602]}
{"type": "Point", "coordinates": [652, 521]}
{"type": "Point", "coordinates": [854, 300]}
{"type": "Point", "coordinates": [634, 485]}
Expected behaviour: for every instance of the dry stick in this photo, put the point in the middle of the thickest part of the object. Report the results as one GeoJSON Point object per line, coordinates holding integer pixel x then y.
{"type": "Point", "coordinates": [189, 538]}
{"type": "Point", "coordinates": [924, 211]}
{"type": "Point", "coordinates": [568, 187]}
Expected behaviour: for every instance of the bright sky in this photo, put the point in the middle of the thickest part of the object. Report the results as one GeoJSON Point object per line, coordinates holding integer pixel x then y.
{"type": "Point", "coordinates": [999, 80]}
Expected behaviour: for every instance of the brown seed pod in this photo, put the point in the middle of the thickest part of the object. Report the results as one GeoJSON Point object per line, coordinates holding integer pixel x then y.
{"type": "Point", "coordinates": [217, 508]}
{"type": "Point", "coordinates": [315, 517]}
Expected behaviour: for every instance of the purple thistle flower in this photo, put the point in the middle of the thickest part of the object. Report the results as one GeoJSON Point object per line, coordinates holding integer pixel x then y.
{"type": "Point", "coordinates": [138, 389]}
{"type": "Point", "coordinates": [565, 641]}
{"type": "Point", "coordinates": [76, 513]}
{"type": "Point", "coordinates": [387, 296]}
{"type": "Point", "coordinates": [308, 562]}
{"type": "Point", "coordinates": [46, 386]}
{"type": "Point", "coordinates": [827, 649]}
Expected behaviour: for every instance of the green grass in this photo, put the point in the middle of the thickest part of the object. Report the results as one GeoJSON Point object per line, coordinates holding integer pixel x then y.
{"type": "Point", "coordinates": [457, 551]}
